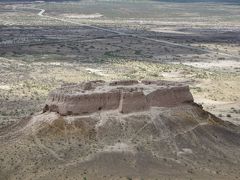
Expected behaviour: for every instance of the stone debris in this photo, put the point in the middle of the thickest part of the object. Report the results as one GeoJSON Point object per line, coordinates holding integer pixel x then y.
{"type": "Point", "coordinates": [125, 96]}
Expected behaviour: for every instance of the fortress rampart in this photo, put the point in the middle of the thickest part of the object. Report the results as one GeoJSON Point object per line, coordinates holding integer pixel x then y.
{"type": "Point", "coordinates": [125, 96]}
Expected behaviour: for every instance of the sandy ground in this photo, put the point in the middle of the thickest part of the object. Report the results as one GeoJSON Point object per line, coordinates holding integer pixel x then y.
{"type": "Point", "coordinates": [82, 43]}
{"type": "Point", "coordinates": [181, 142]}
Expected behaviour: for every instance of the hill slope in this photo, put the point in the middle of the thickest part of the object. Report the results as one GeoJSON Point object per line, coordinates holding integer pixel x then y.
{"type": "Point", "coordinates": [178, 143]}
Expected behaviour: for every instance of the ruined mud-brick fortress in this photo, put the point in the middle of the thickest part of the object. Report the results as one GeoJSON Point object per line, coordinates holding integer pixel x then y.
{"type": "Point", "coordinates": [125, 96]}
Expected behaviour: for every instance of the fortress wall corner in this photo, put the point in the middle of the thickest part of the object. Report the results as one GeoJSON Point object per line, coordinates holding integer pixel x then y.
{"type": "Point", "coordinates": [133, 102]}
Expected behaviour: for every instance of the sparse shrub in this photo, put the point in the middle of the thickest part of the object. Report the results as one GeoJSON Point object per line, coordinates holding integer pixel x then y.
{"type": "Point", "coordinates": [138, 52]}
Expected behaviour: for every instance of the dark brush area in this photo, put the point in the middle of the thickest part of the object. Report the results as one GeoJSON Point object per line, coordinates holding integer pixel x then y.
{"type": "Point", "coordinates": [174, 1]}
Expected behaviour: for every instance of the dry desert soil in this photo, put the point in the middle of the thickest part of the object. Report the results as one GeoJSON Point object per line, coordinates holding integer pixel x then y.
{"type": "Point", "coordinates": [44, 45]}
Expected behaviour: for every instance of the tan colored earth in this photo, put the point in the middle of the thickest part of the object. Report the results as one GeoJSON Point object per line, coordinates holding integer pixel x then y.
{"type": "Point", "coordinates": [151, 133]}
{"type": "Point", "coordinates": [174, 142]}
{"type": "Point", "coordinates": [126, 96]}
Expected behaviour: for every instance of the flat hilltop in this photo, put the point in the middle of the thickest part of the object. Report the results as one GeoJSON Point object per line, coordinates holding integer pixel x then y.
{"type": "Point", "coordinates": [173, 112]}
{"type": "Point", "coordinates": [140, 138]}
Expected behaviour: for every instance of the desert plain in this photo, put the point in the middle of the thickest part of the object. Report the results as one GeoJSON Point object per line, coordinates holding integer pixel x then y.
{"type": "Point", "coordinates": [46, 44]}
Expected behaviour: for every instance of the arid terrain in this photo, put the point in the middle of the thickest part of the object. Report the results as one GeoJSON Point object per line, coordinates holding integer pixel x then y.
{"type": "Point", "coordinates": [46, 44]}
{"type": "Point", "coordinates": [121, 130]}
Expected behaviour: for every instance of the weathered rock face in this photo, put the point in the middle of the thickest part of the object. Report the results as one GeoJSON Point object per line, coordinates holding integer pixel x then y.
{"type": "Point", "coordinates": [125, 96]}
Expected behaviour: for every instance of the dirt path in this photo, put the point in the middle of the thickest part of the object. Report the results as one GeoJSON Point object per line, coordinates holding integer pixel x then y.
{"type": "Point", "coordinates": [42, 11]}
